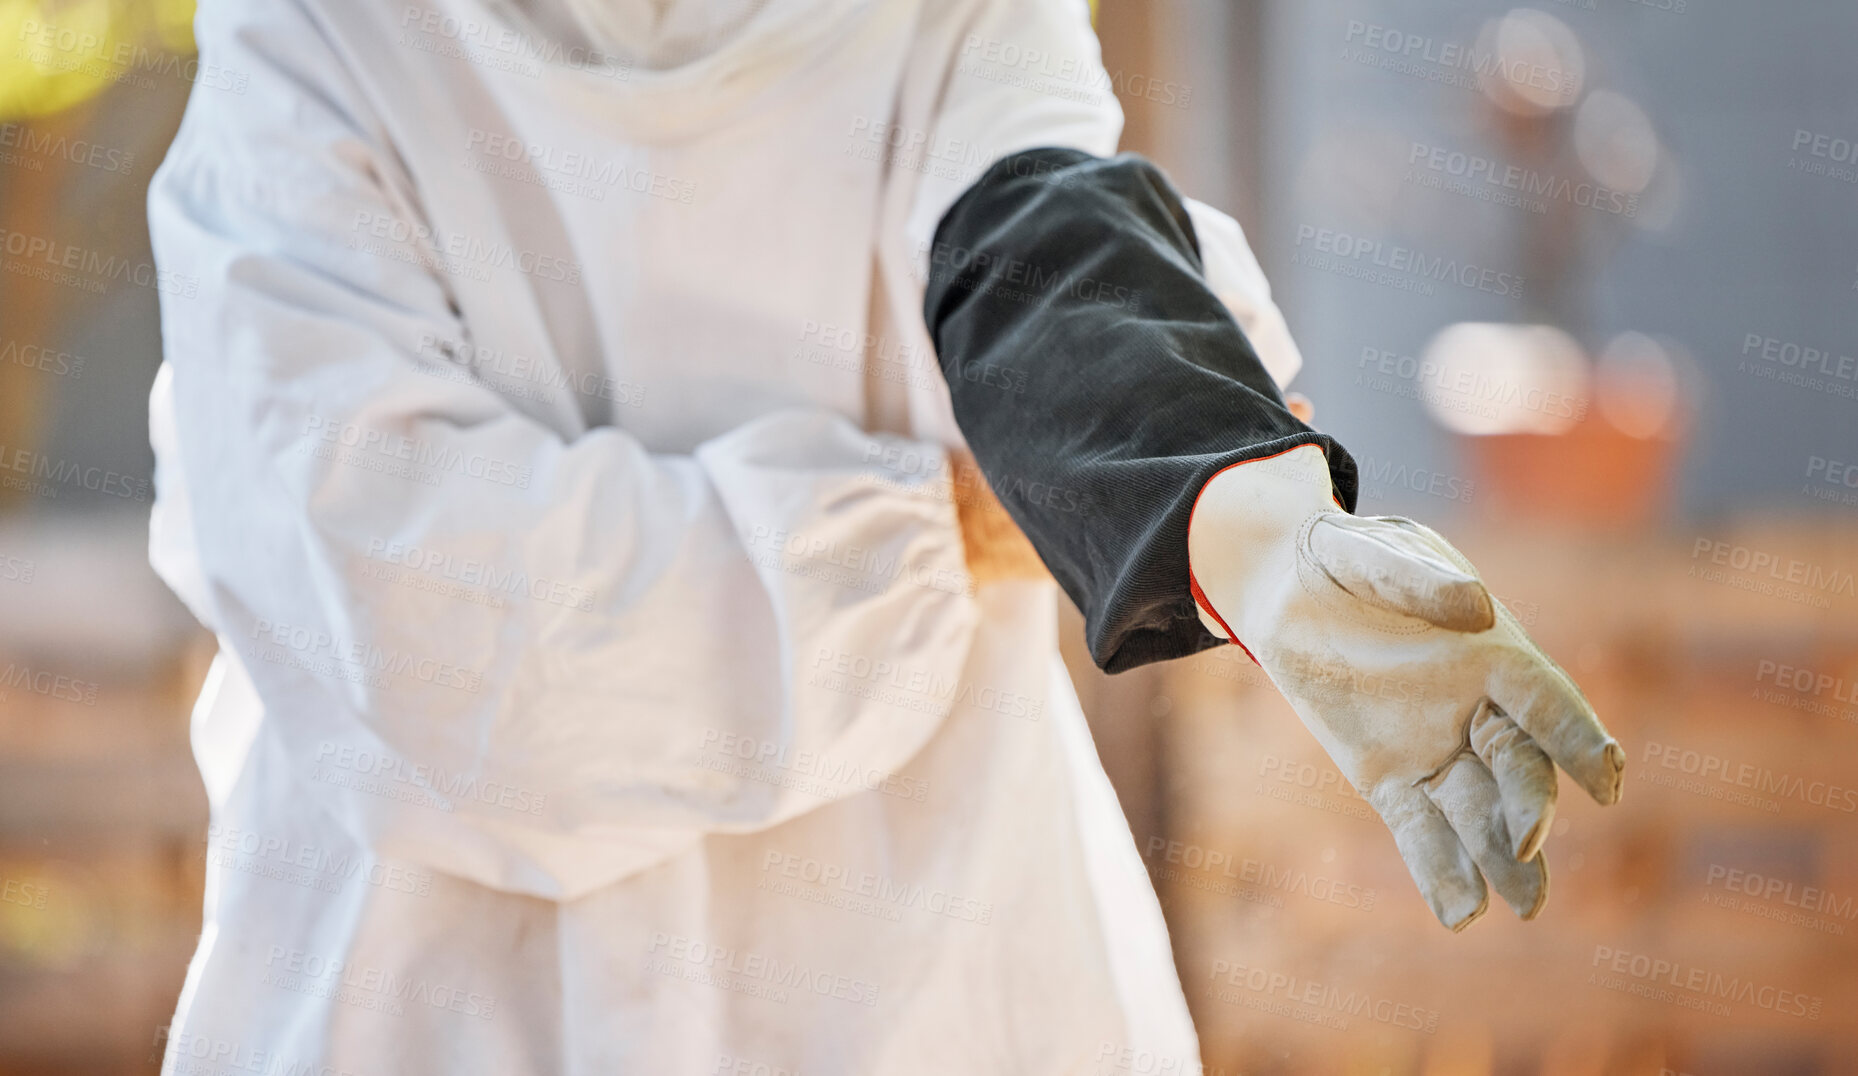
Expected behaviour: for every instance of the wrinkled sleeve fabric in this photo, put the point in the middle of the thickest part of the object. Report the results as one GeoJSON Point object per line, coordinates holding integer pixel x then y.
{"type": "Point", "coordinates": [1080, 280]}
{"type": "Point", "coordinates": [484, 645]}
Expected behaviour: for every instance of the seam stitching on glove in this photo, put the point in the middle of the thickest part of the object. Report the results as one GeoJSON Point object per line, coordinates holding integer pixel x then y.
{"type": "Point", "coordinates": [1464, 748]}
{"type": "Point", "coordinates": [1307, 563]}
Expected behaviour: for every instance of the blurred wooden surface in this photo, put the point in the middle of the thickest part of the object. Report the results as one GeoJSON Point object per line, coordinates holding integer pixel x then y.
{"type": "Point", "coordinates": [102, 831]}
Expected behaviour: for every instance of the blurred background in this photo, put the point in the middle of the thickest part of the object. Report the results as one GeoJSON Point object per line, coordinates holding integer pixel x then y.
{"type": "Point", "coordinates": [1577, 283]}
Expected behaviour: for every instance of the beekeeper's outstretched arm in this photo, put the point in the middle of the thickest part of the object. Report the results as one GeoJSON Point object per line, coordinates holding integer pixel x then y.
{"type": "Point", "coordinates": [1185, 506]}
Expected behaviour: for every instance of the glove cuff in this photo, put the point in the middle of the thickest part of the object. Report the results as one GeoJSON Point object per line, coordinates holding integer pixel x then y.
{"type": "Point", "coordinates": [1242, 536]}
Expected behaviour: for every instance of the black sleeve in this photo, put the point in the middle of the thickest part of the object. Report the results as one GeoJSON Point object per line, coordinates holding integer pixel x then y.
{"type": "Point", "coordinates": [1101, 383]}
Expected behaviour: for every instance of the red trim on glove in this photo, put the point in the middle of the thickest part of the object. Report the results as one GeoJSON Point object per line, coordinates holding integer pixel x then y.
{"type": "Point", "coordinates": [1193, 583]}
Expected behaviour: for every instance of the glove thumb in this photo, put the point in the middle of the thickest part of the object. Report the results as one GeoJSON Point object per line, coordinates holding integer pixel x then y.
{"type": "Point", "coordinates": [1397, 565]}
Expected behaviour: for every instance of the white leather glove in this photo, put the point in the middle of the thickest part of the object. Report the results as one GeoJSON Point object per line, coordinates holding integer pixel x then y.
{"type": "Point", "coordinates": [1423, 689]}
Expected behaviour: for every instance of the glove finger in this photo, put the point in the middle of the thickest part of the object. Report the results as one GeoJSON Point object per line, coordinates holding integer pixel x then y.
{"type": "Point", "coordinates": [1395, 569]}
{"type": "Point", "coordinates": [1467, 794]}
{"type": "Point", "coordinates": [1525, 777]}
{"type": "Point", "coordinates": [1540, 698]}
{"type": "Point", "coordinates": [1437, 860]}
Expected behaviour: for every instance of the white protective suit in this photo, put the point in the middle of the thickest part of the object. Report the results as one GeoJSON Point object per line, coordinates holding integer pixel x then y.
{"type": "Point", "coordinates": [595, 694]}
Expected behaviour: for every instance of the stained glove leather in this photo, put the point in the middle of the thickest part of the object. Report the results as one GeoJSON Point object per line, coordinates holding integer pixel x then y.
{"type": "Point", "coordinates": [1425, 691]}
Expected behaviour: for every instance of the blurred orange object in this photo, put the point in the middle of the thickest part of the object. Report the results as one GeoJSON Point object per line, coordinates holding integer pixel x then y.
{"type": "Point", "coordinates": [1591, 475]}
